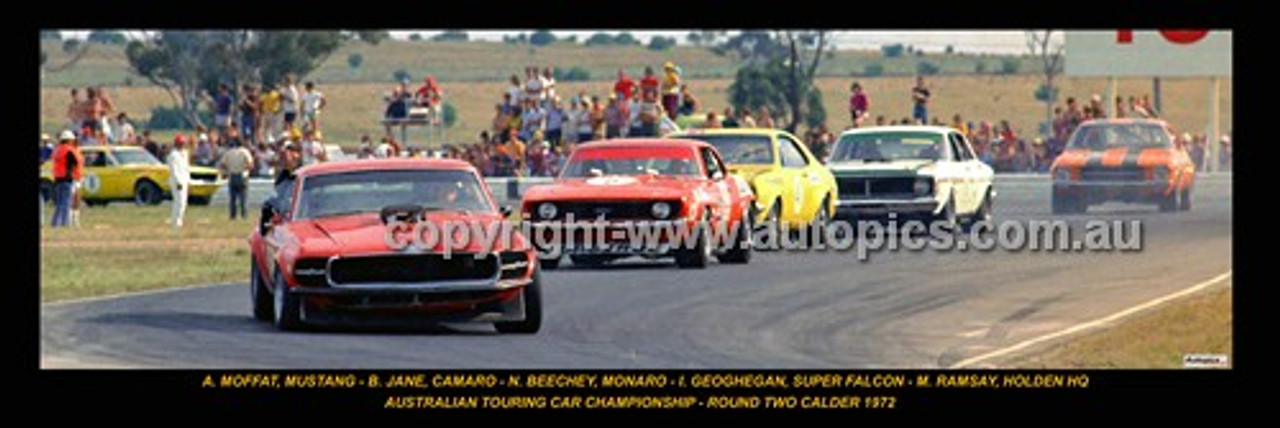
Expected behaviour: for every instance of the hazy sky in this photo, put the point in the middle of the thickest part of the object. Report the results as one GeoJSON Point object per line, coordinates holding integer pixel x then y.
{"type": "Point", "coordinates": [995, 41]}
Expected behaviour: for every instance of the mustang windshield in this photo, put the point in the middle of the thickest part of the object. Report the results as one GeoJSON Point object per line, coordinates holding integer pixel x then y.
{"type": "Point", "coordinates": [888, 146]}
{"type": "Point", "coordinates": [1103, 136]}
{"type": "Point", "coordinates": [739, 149]}
{"type": "Point", "coordinates": [369, 191]}
{"type": "Point", "coordinates": [596, 161]}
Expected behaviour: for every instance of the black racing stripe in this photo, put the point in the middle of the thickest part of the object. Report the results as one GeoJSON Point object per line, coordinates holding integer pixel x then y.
{"type": "Point", "coordinates": [1131, 159]}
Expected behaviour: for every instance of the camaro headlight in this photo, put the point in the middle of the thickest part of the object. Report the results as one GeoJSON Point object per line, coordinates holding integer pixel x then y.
{"type": "Point", "coordinates": [1061, 174]}
{"type": "Point", "coordinates": [923, 185]}
{"type": "Point", "coordinates": [1160, 173]}
{"type": "Point", "coordinates": [661, 210]}
{"type": "Point", "coordinates": [547, 210]}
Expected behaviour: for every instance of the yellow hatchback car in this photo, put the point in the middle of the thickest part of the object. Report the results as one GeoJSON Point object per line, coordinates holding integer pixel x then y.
{"type": "Point", "coordinates": [124, 173]}
{"type": "Point", "coordinates": [792, 186]}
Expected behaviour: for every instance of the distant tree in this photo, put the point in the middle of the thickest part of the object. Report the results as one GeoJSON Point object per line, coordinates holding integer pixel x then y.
{"type": "Point", "coordinates": [448, 115]}
{"type": "Point", "coordinates": [1051, 60]}
{"type": "Point", "coordinates": [919, 52]}
{"type": "Point", "coordinates": [625, 38]}
{"type": "Point", "coordinates": [1010, 66]}
{"type": "Point", "coordinates": [926, 68]}
{"type": "Point", "coordinates": [874, 69]}
{"type": "Point", "coordinates": [50, 35]}
{"type": "Point", "coordinates": [980, 67]}
{"type": "Point", "coordinates": [355, 60]}
{"type": "Point", "coordinates": [694, 38]}
{"type": "Point", "coordinates": [402, 75]}
{"type": "Point", "coordinates": [815, 113]}
{"type": "Point", "coordinates": [415, 37]}
{"type": "Point", "coordinates": [70, 45]}
{"type": "Point", "coordinates": [573, 38]}
{"type": "Point", "coordinates": [107, 37]}
{"type": "Point", "coordinates": [892, 51]}
{"type": "Point", "coordinates": [783, 81]}
{"type": "Point", "coordinates": [659, 43]}
{"type": "Point", "coordinates": [950, 49]}
{"type": "Point", "coordinates": [710, 37]}
{"type": "Point", "coordinates": [372, 37]}
{"type": "Point", "coordinates": [751, 47]}
{"type": "Point", "coordinates": [599, 39]}
{"type": "Point", "coordinates": [573, 74]}
{"type": "Point", "coordinates": [542, 38]}
{"type": "Point", "coordinates": [451, 36]}
{"type": "Point", "coordinates": [190, 63]}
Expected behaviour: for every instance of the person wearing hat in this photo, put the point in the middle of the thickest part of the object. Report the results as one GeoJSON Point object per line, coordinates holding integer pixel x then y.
{"type": "Point", "coordinates": [235, 164]}
{"type": "Point", "coordinates": [670, 89]}
{"type": "Point", "coordinates": [68, 167]}
{"type": "Point", "coordinates": [179, 179]}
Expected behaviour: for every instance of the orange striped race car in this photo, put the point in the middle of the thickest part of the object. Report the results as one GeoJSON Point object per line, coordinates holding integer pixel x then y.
{"type": "Point", "coordinates": [1127, 160]}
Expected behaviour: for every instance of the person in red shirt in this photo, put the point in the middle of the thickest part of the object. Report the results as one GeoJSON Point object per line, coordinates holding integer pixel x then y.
{"type": "Point", "coordinates": [649, 83]}
{"type": "Point", "coordinates": [859, 105]}
{"type": "Point", "coordinates": [624, 85]}
{"type": "Point", "coordinates": [68, 168]}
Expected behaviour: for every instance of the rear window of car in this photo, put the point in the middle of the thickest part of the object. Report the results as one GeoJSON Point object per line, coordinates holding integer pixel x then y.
{"type": "Point", "coordinates": [740, 149]}
{"type": "Point", "coordinates": [1103, 136]}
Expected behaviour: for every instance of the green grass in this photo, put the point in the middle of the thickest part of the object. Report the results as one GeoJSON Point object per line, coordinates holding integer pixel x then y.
{"type": "Point", "coordinates": [1156, 340]}
{"type": "Point", "coordinates": [123, 248]}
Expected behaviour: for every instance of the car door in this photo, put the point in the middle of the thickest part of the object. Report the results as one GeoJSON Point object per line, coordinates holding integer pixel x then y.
{"type": "Point", "coordinates": [101, 176]}
{"type": "Point", "coordinates": [818, 181]}
{"type": "Point", "coordinates": [981, 176]}
{"type": "Point", "coordinates": [950, 172]}
{"type": "Point", "coordinates": [794, 185]}
{"type": "Point", "coordinates": [716, 185]}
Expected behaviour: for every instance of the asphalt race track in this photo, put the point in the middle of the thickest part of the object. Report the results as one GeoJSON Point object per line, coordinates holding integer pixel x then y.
{"type": "Point", "coordinates": [900, 309]}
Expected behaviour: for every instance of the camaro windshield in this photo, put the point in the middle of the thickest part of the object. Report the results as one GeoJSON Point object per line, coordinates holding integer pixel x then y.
{"type": "Point", "coordinates": [888, 146]}
{"type": "Point", "coordinates": [594, 162]}
{"type": "Point", "coordinates": [369, 191]}
{"type": "Point", "coordinates": [1105, 136]}
{"type": "Point", "coordinates": [139, 157]}
{"type": "Point", "coordinates": [740, 149]}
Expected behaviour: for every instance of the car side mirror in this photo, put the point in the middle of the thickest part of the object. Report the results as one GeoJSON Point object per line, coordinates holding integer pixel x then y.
{"type": "Point", "coordinates": [506, 211]}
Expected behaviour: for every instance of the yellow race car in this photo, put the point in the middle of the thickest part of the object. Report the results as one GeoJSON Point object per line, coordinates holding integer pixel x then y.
{"type": "Point", "coordinates": [122, 173]}
{"type": "Point", "coordinates": [792, 187]}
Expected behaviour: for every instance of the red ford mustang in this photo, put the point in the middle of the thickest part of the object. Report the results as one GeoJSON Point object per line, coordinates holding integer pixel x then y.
{"type": "Point", "coordinates": [322, 253]}
{"type": "Point", "coordinates": [610, 192]}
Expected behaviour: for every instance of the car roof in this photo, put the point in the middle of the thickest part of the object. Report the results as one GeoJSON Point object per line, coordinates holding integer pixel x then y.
{"type": "Point", "coordinates": [900, 128]}
{"type": "Point", "coordinates": [730, 131]}
{"type": "Point", "coordinates": [644, 142]}
{"type": "Point", "coordinates": [384, 164]}
{"type": "Point", "coordinates": [1124, 121]}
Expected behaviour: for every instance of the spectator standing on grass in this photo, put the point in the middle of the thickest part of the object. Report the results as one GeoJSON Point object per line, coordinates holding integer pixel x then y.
{"type": "Point", "coordinates": [498, 123]}
{"type": "Point", "coordinates": [264, 157]}
{"type": "Point", "coordinates": [222, 104]}
{"type": "Point", "coordinates": [764, 119]}
{"type": "Point", "coordinates": [688, 102]}
{"type": "Point", "coordinates": [920, 101]}
{"type": "Point", "coordinates": [650, 113]}
{"type": "Point", "coordinates": [312, 148]}
{"type": "Point", "coordinates": [536, 156]}
{"type": "Point", "coordinates": [68, 167]}
{"type": "Point", "coordinates": [75, 110]}
{"type": "Point", "coordinates": [1149, 107]}
{"type": "Point", "coordinates": [290, 103]}
{"type": "Point", "coordinates": [269, 110]}
{"type": "Point", "coordinates": [633, 114]}
{"type": "Point", "coordinates": [203, 155]}
{"type": "Point", "coordinates": [745, 119]}
{"type": "Point", "coordinates": [397, 107]}
{"type": "Point", "coordinates": [583, 121]}
{"type": "Point", "coordinates": [100, 109]}
{"type": "Point", "coordinates": [179, 179]}
{"type": "Point", "coordinates": [534, 86]}
{"type": "Point", "coordinates": [1119, 109]}
{"type": "Point", "coordinates": [712, 122]}
{"type": "Point", "coordinates": [533, 119]}
{"type": "Point", "coordinates": [597, 117]}
{"type": "Point", "coordinates": [958, 123]}
{"type": "Point", "coordinates": [548, 86]}
{"type": "Point", "coordinates": [728, 121]}
{"type": "Point", "coordinates": [624, 86]}
{"type": "Point", "coordinates": [649, 82]}
{"type": "Point", "coordinates": [880, 120]}
{"type": "Point", "coordinates": [614, 117]}
{"type": "Point", "coordinates": [859, 105]}
{"type": "Point", "coordinates": [249, 115]}
{"type": "Point", "coordinates": [514, 92]}
{"type": "Point", "coordinates": [124, 129]}
{"type": "Point", "coordinates": [554, 123]}
{"type": "Point", "coordinates": [670, 89]}
{"type": "Point", "coordinates": [313, 102]}
{"type": "Point", "coordinates": [1095, 104]}
{"type": "Point", "coordinates": [236, 164]}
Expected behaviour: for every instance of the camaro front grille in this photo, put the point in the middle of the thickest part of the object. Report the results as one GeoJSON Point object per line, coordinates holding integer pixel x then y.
{"type": "Point", "coordinates": [861, 187]}
{"type": "Point", "coordinates": [1112, 174]}
{"type": "Point", "coordinates": [622, 210]}
{"type": "Point", "coordinates": [412, 268]}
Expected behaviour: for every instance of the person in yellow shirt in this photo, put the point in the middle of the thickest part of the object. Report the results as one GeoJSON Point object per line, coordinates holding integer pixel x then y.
{"type": "Point", "coordinates": [670, 89]}
{"type": "Point", "coordinates": [958, 123]}
{"type": "Point", "coordinates": [270, 107]}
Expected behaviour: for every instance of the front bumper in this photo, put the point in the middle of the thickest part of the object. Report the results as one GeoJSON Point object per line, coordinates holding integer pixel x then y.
{"type": "Point", "coordinates": [616, 238]}
{"type": "Point", "coordinates": [1106, 191]}
{"type": "Point", "coordinates": [205, 189]}
{"type": "Point", "coordinates": [882, 207]}
{"type": "Point", "coordinates": [501, 301]}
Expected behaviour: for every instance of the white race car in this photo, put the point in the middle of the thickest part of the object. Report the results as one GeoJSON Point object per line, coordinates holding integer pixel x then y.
{"type": "Point", "coordinates": [912, 171]}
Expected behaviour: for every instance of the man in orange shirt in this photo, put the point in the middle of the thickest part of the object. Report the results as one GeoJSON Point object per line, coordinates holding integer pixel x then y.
{"type": "Point", "coordinates": [68, 167]}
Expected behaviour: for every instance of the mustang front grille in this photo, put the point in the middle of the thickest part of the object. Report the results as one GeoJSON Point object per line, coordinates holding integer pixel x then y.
{"type": "Point", "coordinates": [412, 268]}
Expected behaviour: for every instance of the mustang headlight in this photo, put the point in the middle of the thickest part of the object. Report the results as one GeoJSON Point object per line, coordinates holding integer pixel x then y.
{"type": "Point", "coordinates": [1160, 173]}
{"type": "Point", "coordinates": [547, 210]}
{"type": "Point", "coordinates": [923, 186]}
{"type": "Point", "coordinates": [660, 210]}
{"type": "Point", "coordinates": [1061, 174]}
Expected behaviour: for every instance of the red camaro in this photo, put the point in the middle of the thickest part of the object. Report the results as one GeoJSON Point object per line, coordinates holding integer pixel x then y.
{"type": "Point", "coordinates": [648, 197]}
{"type": "Point", "coordinates": [371, 240]}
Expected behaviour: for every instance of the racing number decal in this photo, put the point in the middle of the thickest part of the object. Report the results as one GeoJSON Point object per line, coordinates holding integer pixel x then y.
{"type": "Point", "coordinates": [92, 183]}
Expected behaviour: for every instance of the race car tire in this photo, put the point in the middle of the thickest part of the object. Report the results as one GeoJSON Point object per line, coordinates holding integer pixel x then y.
{"type": "Point", "coordinates": [146, 192]}
{"type": "Point", "coordinates": [982, 214]}
{"type": "Point", "coordinates": [588, 260]}
{"type": "Point", "coordinates": [700, 255]}
{"type": "Point", "coordinates": [739, 252]}
{"type": "Point", "coordinates": [287, 305]}
{"type": "Point", "coordinates": [1170, 202]}
{"type": "Point", "coordinates": [263, 306]}
{"type": "Point", "coordinates": [532, 321]}
{"type": "Point", "coordinates": [549, 264]}
{"type": "Point", "coordinates": [1185, 201]}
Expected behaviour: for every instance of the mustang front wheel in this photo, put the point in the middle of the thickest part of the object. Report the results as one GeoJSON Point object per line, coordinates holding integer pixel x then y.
{"type": "Point", "coordinates": [532, 321]}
